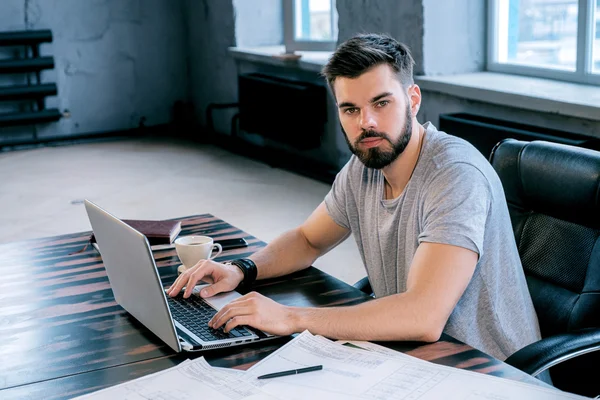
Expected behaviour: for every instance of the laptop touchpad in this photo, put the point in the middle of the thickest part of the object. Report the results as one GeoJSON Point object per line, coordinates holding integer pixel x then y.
{"type": "Point", "coordinates": [220, 300]}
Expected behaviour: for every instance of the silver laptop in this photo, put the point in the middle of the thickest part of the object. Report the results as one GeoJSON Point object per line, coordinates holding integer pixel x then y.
{"type": "Point", "coordinates": [180, 323]}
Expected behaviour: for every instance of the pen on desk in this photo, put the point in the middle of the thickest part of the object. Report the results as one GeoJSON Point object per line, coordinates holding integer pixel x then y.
{"type": "Point", "coordinates": [291, 372]}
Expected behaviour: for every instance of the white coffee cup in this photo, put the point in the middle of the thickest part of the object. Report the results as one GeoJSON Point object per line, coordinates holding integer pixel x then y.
{"type": "Point", "coordinates": [192, 249]}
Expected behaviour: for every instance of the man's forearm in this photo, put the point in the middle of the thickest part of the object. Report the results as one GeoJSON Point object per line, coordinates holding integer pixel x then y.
{"type": "Point", "coordinates": [288, 253]}
{"type": "Point", "coordinates": [396, 317]}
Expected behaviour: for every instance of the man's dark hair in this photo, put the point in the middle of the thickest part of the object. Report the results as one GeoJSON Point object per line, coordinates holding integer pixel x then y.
{"type": "Point", "coordinates": [363, 52]}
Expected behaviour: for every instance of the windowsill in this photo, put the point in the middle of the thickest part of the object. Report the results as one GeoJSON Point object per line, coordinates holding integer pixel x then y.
{"type": "Point", "coordinates": [310, 60]}
{"type": "Point", "coordinates": [536, 94]}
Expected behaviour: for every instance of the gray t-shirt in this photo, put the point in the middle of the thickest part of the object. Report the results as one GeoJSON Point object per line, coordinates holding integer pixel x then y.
{"type": "Point", "coordinates": [453, 197]}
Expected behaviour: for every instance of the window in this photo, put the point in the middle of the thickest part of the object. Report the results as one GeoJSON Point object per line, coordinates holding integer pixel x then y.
{"type": "Point", "coordinates": [556, 39]}
{"type": "Point", "coordinates": [309, 25]}
{"type": "Point", "coordinates": [596, 35]}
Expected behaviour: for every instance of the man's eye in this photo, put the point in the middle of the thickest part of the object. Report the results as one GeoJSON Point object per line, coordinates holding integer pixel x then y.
{"type": "Point", "coordinates": [383, 103]}
{"type": "Point", "coordinates": [350, 111]}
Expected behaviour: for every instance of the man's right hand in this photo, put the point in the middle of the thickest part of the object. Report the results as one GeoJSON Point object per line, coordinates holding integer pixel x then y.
{"type": "Point", "coordinates": [222, 277]}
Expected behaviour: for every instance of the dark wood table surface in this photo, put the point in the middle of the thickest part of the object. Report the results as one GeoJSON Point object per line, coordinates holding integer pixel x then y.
{"type": "Point", "coordinates": [63, 335]}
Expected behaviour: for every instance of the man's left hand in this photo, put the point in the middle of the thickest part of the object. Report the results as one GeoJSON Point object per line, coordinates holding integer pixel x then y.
{"type": "Point", "coordinates": [257, 311]}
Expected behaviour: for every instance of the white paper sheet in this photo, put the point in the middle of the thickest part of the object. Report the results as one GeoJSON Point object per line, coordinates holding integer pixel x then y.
{"type": "Point", "coordinates": [188, 380]}
{"type": "Point", "coordinates": [356, 374]}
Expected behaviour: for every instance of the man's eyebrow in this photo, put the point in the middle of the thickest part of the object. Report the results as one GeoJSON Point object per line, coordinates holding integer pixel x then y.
{"type": "Point", "coordinates": [373, 100]}
{"type": "Point", "coordinates": [380, 96]}
{"type": "Point", "coordinates": [346, 104]}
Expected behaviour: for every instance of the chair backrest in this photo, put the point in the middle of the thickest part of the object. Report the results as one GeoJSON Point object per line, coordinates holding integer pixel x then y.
{"type": "Point", "coordinates": [553, 195]}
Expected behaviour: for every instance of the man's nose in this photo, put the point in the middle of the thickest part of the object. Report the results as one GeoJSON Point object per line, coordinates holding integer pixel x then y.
{"type": "Point", "coordinates": [368, 121]}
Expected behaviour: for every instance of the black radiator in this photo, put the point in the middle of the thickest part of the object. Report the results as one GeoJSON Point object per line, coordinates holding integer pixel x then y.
{"type": "Point", "coordinates": [287, 111]}
{"type": "Point", "coordinates": [28, 62]}
{"type": "Point", "coordinates": [485, 132]}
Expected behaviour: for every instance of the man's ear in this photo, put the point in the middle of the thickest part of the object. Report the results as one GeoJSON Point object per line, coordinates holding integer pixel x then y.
{"type": "Point", "coordinates": [414, 95]}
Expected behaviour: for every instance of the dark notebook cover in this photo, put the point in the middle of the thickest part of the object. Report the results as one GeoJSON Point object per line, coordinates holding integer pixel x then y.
{"type": "Point", "coordinates": [157, 232]}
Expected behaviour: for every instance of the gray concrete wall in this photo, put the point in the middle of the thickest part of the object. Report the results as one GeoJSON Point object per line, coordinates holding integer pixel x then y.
{"type": "Point", "coordinates": [454, 37]}
{"type": "Point", "coordinates": [118, 62]}
{"type": "Point", "coordinates": [402, 20]}
{"type": "Point", "coordinates": [12, 14]}
{"type": "Point", "coordinates": [210, 32]}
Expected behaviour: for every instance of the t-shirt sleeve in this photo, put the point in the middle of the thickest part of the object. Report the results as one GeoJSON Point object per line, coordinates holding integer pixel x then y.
{"type": "Point", "coordinates": [336, 199]}
{"type": "Point", "coordinates": [456, 207]}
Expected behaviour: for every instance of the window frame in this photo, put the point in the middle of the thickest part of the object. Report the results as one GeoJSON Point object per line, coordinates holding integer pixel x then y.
{"type": "Point", "coordinates": [289, 36]}
{"type": "Point", "coordinates": [584, 62]}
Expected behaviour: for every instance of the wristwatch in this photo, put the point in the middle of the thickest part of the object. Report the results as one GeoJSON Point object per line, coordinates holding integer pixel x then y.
{"type": "Point", "coordinates": [249, 270]}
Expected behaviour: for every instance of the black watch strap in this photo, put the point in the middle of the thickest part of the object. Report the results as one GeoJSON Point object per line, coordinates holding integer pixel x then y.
{"type": "Point", "coordinates": [249, 270]}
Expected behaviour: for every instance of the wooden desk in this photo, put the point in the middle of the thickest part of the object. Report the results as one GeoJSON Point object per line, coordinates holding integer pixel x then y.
{"type": "Point", "coordinates": [62, 334]}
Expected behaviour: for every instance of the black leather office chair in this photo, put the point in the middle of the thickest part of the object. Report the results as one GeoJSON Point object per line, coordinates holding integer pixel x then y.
{"type": "Point", "coordinates": [553, 195]}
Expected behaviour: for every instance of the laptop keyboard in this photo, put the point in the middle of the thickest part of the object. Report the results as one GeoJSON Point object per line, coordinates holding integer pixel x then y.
{"type": "Point", "coordinates": [194, 314]}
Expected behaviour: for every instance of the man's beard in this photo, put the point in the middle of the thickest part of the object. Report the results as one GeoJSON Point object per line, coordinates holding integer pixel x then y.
{"type": "Point", "coordinates": [375, 157]}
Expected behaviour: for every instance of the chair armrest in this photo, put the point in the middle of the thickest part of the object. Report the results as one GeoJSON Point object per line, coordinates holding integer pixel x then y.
{"type": "Point", "coordinates": [364, 285]}
{"type": "Point", "coordinates": [548, 352]}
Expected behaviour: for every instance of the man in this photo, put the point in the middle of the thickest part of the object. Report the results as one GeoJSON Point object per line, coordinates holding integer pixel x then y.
{"type": "Point", "coordinates": [428, 214]}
